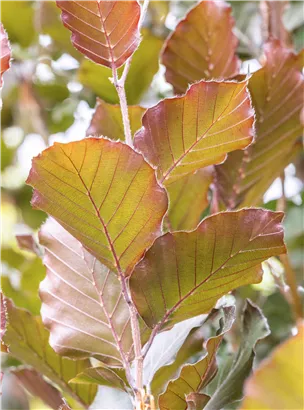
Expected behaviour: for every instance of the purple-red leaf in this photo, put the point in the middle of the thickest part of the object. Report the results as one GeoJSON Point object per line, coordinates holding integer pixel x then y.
{"type": "Point", "coordinates": [105, 194]}
{"type": "Point", "coordinates": [5, 53]}
{"type": "Point", "coordinates": [183, 274]}
{"type": "Point", "coordinates": [104, 31]}
{"type": "Point", "coordinates": [202, 46]}
{"type": "Point", "coordinates": [183, 134]}
{"type": "Point", "coordinates": [277, 91]}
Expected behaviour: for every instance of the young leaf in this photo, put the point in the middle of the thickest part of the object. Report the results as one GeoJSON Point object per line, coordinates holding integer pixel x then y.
{"type": "Point", "coordinates": [104, 194]}
{"type": "Point", "coordinates": [38, 387]}
{"type": "Point", "coordinates": [104, 31]}
{"type": "Point", "coordinates": [27, 340]}
{"type": "Point", "coordinates": [183, 274]}
{"type": "Point", "coordinates": [5, 53]}
{"type": "Point", "coordinates": [188, 199]}
{"type": "Point", "coordinates": [196, 401]}
{"type": "Point", "coordinates": [107, 120]}
{"type": "Point", "coordinates": [278, 382]}
{"type": "Point", "coordinates": [193, 377]}
{"type": "Point", "coordinates": [272, 13]}
{"type": "Point", "coordinates": [254, 328]}
{"type": "Point", "coordinates": [202, 46]}
{"type": "Point", "coordinates": [183, 134]}
{"type": "Point", "coordinates": [102, 375]}
{"type": "Point", "coordinates": [277, 96]}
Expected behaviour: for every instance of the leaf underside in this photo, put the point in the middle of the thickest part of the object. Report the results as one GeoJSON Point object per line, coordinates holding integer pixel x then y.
{"type": "Point", "coordinates": [104, 31]}
{"type": "Point", "coordinates": [183, 274]}
{"type": "Point", "coordinates": [202, 46]}
{"type": "Point", "coordinates": [183, 134]}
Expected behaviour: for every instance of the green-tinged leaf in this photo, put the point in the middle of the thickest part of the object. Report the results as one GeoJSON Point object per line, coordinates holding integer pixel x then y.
{"type": "Point", "coordinates": [278, 381]}
{"type": "Point", "coordinates": [105, 194]}
{"type": "Point", "coordinates": [193, 377]}
{"type": "Point", "coordinates": [202, 46]}
{"type": "Point", "coordinates": [183, 274]}
{"type": "Point", "coordinates": [254, 328]}
{"type": "Point", "coordinates": [142, 69]}
{"type": "Point", "coordinates": [183, 134]}
{"type": "Point", "coordinates": [105, 32]}
{"type": "Point", "coordinates": [107, 120]}
{"type": "Point", "coordinates": [196, 401]}
{"type": "Point", "coordinates": [188, 198]}
{"type": "Point", "coordinates": [82, 302]}
{"type": "Point", "coordinates": [104, 376]}
{"type": "Point", "coordinates": [18, 20]}
{"type": "Point", "coordinates": [27, 340]}
{"type": "Point", "coordinates": [277, 96]}
{"type": "Point", "coordinates": [38, 387]}
{"type": "Point", "coordinates": [5, 55]}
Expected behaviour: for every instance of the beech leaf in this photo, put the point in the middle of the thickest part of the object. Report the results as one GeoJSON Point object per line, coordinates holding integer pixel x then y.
{"type": "Point", "coordinates": [104, 31]}
{"type": "Point", "coordinates": [278, 381]}
{"type": "Point", "coordinates": [5, 53]}
{"type": "Point", "coordinates": [82, 301]}
{"type": "Point", "coordinates": [107, 120]}
{"type": "Point", "coordinates": [104, 376]}
{"type": "Point", "coordinates": [27, 340]}
{"type": "Point", "coordinates": [272, 13]}
{"type": "Point", "coordinates": [104, 194]}
{"type": "Point", "coordinates": [202, 46]}
{"type": "Point", "coordinates": [193, 377]}
{"type": "Point", "coordinates": [254, 328]}
{"type": "Point", "coordinates": [183, 274]}
{"type": "Point", "coordinates": [188, 198]}
{"type": "Point", "coordinates": [196, 401]}
{"type": "Point", "coordinates": [183, 134]}
{"type": "Point", "coordinates": [277, 96]}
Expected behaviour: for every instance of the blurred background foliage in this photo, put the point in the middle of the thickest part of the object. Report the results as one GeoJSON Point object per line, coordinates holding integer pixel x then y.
{"type": "Point", "coordinates": [49, 95]}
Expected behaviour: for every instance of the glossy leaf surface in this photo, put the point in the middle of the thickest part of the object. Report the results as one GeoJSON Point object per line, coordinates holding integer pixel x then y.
{"type": "Point", "coordinates": [277, 96]}
{"type": "Point", "coordinates": [5, 53]}
{"type": "Point", "coordinates": [254, 328]}
{"type": "Point", "coordinates": [104, 31]}
{"type": "Point", "coordinates": [188, 198]}
{"type": "Point", "coordinates": [105, 194]}
{"type": "Point", "coordinates": [278, 381]}
{"type": "Point", "coordinates": [102, 375]}
{"type": "Point", "coordinates": [27, 340]}
{"type": "Point", "coordinates": [202, 46]}
{"type": "Point", "coordinates": [82, 302]}
{"type": "Point", "coordinates": [183, 134]}
{"type": "Point", "coordinates": [184, 274]}
{"type": "Point", "coordinates": [193, 377]}
{"type": "Point", "coordinates": [107, 120]}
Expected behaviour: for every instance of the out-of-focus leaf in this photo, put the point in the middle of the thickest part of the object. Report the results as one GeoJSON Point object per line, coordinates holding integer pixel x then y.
{"type": "Point", "coordinates": [277, 96]}
{"type": "Point", "coordinates": [5, 53]}
{"type": "Point", "coordinates": [18, 19]}
{"type": "Point", "coordinates": [188, 199]}
{"type": "Point", "coordinates": [183, 274]}
{"type": "Point", "coordinates": [28, 242]}
{"type": "Point", "coordinates": [105, 194]}
{"type": "Point", "coordinates": [38, 387]}
{"type": "Point", "coordinates": [82, 300]}
{"type": "Point", "coordinates": [272, 12]}
{"type": "Point", "coordinates": [107, 120]}
{"type": "Point", "coordinates": [27, 340]}
{"type": "Point", "coordinates": [193, 377]}
{"type": "Point", "coordinates": [2, 318]}
{"type": "Point", "coordinates": [254, 328]}
{"type": "Point", "coordinates": [196, 401]}
{"type": "Point", "coordinates": [142, 69]}
{"type": "Point", "coordinates": [7, 155]}
{"type": "Point", "coordinates": [11, 257]}
{"type": "Point", "coordinates": [13, 395]}
{"type": "Point", "coordinates": [278, 381]}
{"type": "Point", "coordinates": [105, 32]}
{"type": "Point", "coordinates": [183, 134]}
{"type": "Point", "coordinates": [202, 46]}
{"type": "Point", "coordinates": [102, 375]}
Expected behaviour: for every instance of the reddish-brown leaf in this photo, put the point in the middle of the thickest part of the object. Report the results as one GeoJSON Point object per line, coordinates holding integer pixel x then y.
{"type": "Point", "coordinates": [105, 194]}
{"type": "Point", "coordinates": [104, 31]}
{"type": "Point", "coordinates": [183, 274]}
{"type": "Point", "coordinates": [202, 46]}
{"type": "Point", "coordinates": [183, 134]}
{"type": "Point", "coordinates": [5, 53]}
{"type": "Point", "coordinates": [272, 13]}
{"type": "Point", "coordinates": [277, 91]}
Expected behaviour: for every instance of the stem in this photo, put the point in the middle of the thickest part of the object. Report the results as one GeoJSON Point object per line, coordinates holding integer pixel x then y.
{"type": "Point", "coordinates": [290, 275]}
